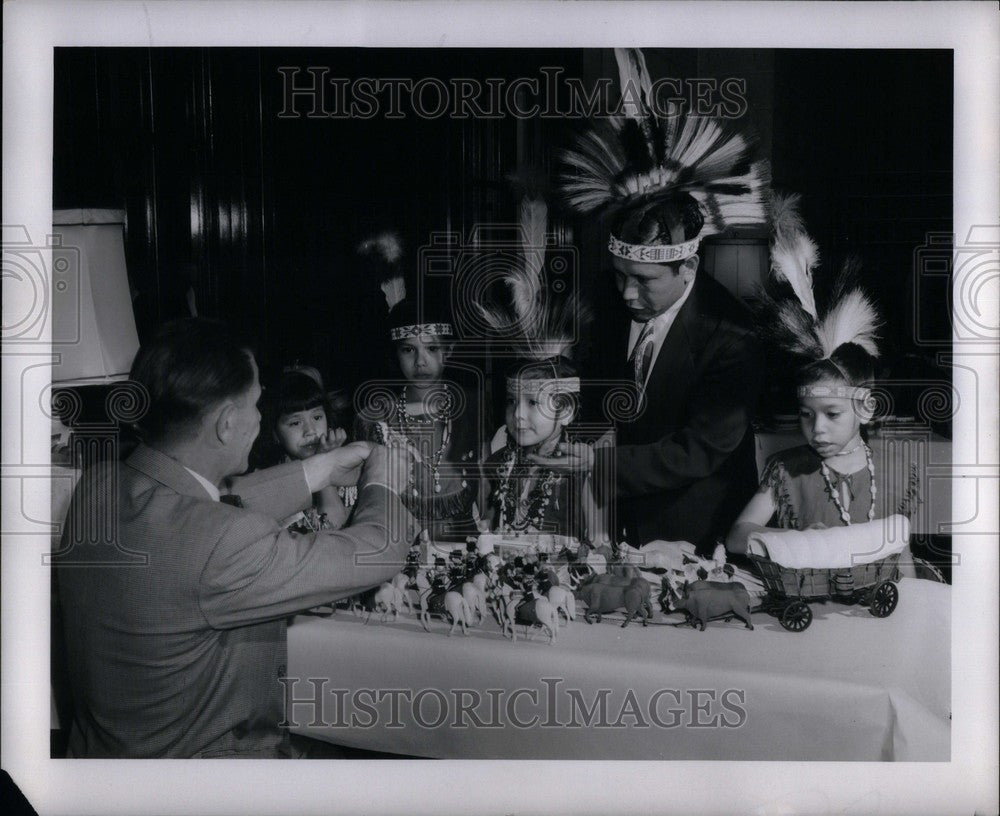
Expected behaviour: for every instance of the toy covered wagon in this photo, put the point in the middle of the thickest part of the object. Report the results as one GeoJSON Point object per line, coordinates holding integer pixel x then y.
{"type": "Point", "coordinates": [854, 565]}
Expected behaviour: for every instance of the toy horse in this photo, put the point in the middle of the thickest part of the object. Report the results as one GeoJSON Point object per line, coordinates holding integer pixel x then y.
{"type": "Point", "coordinates": [443, 602]}
{"type": "Point", "coordinates": [529, 611]}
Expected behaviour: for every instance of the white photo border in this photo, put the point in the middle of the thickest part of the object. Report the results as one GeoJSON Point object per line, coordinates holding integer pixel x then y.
{"type": "Point", "coordinates": [965, 784]}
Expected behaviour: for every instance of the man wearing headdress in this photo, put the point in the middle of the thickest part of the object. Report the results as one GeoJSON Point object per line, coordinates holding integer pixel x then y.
{"type": "Point", "coordinates": [683, 462]}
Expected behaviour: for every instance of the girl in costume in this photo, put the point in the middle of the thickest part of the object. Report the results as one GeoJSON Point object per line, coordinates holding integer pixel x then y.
{"type": "Point", "coordinates": [836, 478]}
{"type": "Point", "coordinates": [297, 424]}
{"type": "Point", "coordinates": [436, 415]}
{"type": "Point", "coordinates": [542, 401]}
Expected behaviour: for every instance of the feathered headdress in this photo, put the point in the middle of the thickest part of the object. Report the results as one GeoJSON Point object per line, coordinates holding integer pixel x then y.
{"type": "Point", "coordinates": [383, 252]}
{"type": "Point", "coordinates": [794, 323]}
{"type": "Point", "coordinates": [646, 160]}
{"type": "Point", "coordinates": [544, 327]}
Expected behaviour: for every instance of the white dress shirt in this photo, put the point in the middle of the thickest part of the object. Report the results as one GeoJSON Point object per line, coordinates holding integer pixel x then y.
{"type": "Point", "coordinates": [210, 488]}
{"type": "Point", "coordinates": [661, 326]}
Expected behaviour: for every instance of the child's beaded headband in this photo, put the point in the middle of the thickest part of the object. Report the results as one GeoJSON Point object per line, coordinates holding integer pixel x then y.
{"type": "Point", "coordinates": [417, 329]}
{"type": "Point", "coordinates": [533, 387]}
{"type": "Point", "coordinates": [843, 391]}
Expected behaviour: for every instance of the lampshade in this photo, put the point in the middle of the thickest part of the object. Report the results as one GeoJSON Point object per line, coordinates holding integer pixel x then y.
{"type": "Point", "coordinates": [93, 329]}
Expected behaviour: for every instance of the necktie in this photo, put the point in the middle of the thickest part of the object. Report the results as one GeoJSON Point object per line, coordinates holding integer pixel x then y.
{"type": "Point", "coordinates": [229, 498]}
{"type": "Point", "coordinates": [642, 354]}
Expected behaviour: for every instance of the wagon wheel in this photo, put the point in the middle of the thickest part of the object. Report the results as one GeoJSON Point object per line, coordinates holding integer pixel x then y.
{"type": "Point", "coordinates": [884, 599]}
{"type": "Point", "coordinates": [796, 617]}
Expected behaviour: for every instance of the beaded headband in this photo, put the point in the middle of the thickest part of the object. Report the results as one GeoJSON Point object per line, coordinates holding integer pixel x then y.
{"type": "Point", "coordinates": [556, 385]}
{"type": "Point", "coordinates": [417, 329]}
{"type": "Point", "coordinates": [842, 391]}
{"type": "Point", "coordinates": [653, 254]}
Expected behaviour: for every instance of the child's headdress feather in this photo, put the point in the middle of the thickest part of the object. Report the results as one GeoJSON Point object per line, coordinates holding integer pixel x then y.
{"type": "Point", "coordinates": [541, 325]}
{"type": "Point", "coordinates": [794, 323]}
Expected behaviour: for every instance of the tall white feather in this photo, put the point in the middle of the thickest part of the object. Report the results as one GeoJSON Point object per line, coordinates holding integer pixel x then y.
{"type": "Point", "coordinates": [794, 254]}
{"type": "Point", "coordinates": [852, 320]}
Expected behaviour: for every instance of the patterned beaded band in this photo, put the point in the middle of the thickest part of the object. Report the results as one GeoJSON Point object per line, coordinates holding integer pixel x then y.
{"type": "Point", "coordinates": [653, 254]}
{"type": "Point", "coordinates": [842, 391]}
{"type": "Point", "coordinates": [558, 385]}
{"type": "Point", "coordinates": [433, 329]}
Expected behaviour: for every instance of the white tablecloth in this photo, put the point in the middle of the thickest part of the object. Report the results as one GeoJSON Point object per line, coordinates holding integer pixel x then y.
{"type": "Point", "coordinates": [850, 687]}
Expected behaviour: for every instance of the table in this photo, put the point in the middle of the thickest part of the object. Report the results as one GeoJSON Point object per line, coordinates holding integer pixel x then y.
{"type": "Point", "coordinates": [850, 687]}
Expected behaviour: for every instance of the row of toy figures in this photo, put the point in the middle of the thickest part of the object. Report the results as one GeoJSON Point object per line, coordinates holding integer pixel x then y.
{"type": "Point", "coordinates": [526, 590]}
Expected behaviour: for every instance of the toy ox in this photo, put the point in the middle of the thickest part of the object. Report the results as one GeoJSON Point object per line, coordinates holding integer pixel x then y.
{"type": "Point", "coordinates": [704, 601]}
{"type": "Point", "coordinates": [610, 593]}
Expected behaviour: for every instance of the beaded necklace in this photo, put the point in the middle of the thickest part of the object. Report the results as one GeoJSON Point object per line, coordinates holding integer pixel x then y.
{"type": "Point", "coordinates": [407, 422]}
{"type": "Point", "coordinates": [539, 498]}
{"type": "Point", "coordinates": [845, 516]}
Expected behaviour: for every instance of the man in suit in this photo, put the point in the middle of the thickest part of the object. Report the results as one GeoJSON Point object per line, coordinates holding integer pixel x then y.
{"type": "Point", "coordinates": [175, 623]}
{"type": "Point", "coordinates": [682, 465]}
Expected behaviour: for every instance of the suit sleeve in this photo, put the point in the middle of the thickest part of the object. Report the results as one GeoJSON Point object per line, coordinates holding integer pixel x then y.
{"type": "Point", "coordinates": [258, 571]}
{"type": "Point", "coordinates": [276, 492]}
{"type": "Point", "coordinates": [720, 414]}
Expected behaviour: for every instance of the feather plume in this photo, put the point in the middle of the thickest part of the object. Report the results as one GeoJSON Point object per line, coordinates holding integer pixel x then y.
{"type": "Point", "coordinates": [785, 217]}
{"type": "Point", "coordinates": [543, 326]}
{"type": "Point", "coordinates": [853, 319]}
{"type": "Point", "coordinates": [523, 278]}
{"type": "Point", "coordinates": [639, 162]}
{"type": "Point", "coordinates": [794, 254]}
{"type": "Point", "coordinates": [784, 324]}
{"type": "Point", "coordinates": [634, 79]}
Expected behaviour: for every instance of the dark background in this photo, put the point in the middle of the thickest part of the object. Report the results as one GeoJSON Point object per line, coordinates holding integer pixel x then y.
{"type": "Point", "coordinates": [260, 215]}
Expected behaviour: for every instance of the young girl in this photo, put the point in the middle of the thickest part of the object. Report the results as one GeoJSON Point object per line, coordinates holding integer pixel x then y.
{"type": "Point", "coordinates": [542, 402]}
{"type": "Point", "coordinates": [436, 415]}
{"type": "Point", "coordinates": [836, 478]}
{"type": "Point", "coordinates": [296, 425]}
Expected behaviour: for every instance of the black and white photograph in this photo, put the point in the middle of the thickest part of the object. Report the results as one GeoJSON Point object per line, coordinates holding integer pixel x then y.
{"type": "Point", "coordinates": [377, 394]}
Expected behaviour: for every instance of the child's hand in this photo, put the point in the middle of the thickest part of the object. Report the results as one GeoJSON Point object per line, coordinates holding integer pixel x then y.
{"type": "Point", "coordinates": [332, 439]}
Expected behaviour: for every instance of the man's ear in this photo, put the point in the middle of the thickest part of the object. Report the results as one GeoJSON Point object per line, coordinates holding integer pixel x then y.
{"type": "Point", "coordinates": [688, 269]}
{"type": "Point", "coordinates": [225, 422]}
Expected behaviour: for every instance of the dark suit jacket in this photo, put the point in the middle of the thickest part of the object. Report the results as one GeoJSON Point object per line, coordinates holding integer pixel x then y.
{"type": "Point", "coordinates": [180, 656]}
{"type": "Point", "coordinates": [684, 467]}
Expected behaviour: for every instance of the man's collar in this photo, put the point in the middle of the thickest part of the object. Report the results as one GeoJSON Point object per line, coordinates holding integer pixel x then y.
{"type": "Point", "coordinates": [210, 488]}
{"type": "Point", "coordinates": [169, 472]}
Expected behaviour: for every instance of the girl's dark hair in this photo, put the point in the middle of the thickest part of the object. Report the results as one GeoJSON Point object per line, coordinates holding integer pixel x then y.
{"type": "Point", "coordinates": [188, 367]}
{"type": "Point", "coordinates": [653, 225]}
{"type": "Point", "coordinates": [295, 391]}
{"type": "Point", "coordinates": [849, 364]}
{"type": "Point", "coordinates": [551, 369]}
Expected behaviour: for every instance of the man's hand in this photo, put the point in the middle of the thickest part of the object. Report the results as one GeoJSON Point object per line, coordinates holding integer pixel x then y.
{"type": "Point", "coordinates": [575, 457]}
{"type": "Point", "coordinates": [340, 467]}
{"type": "Point", "coordinates": [390, 466]}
